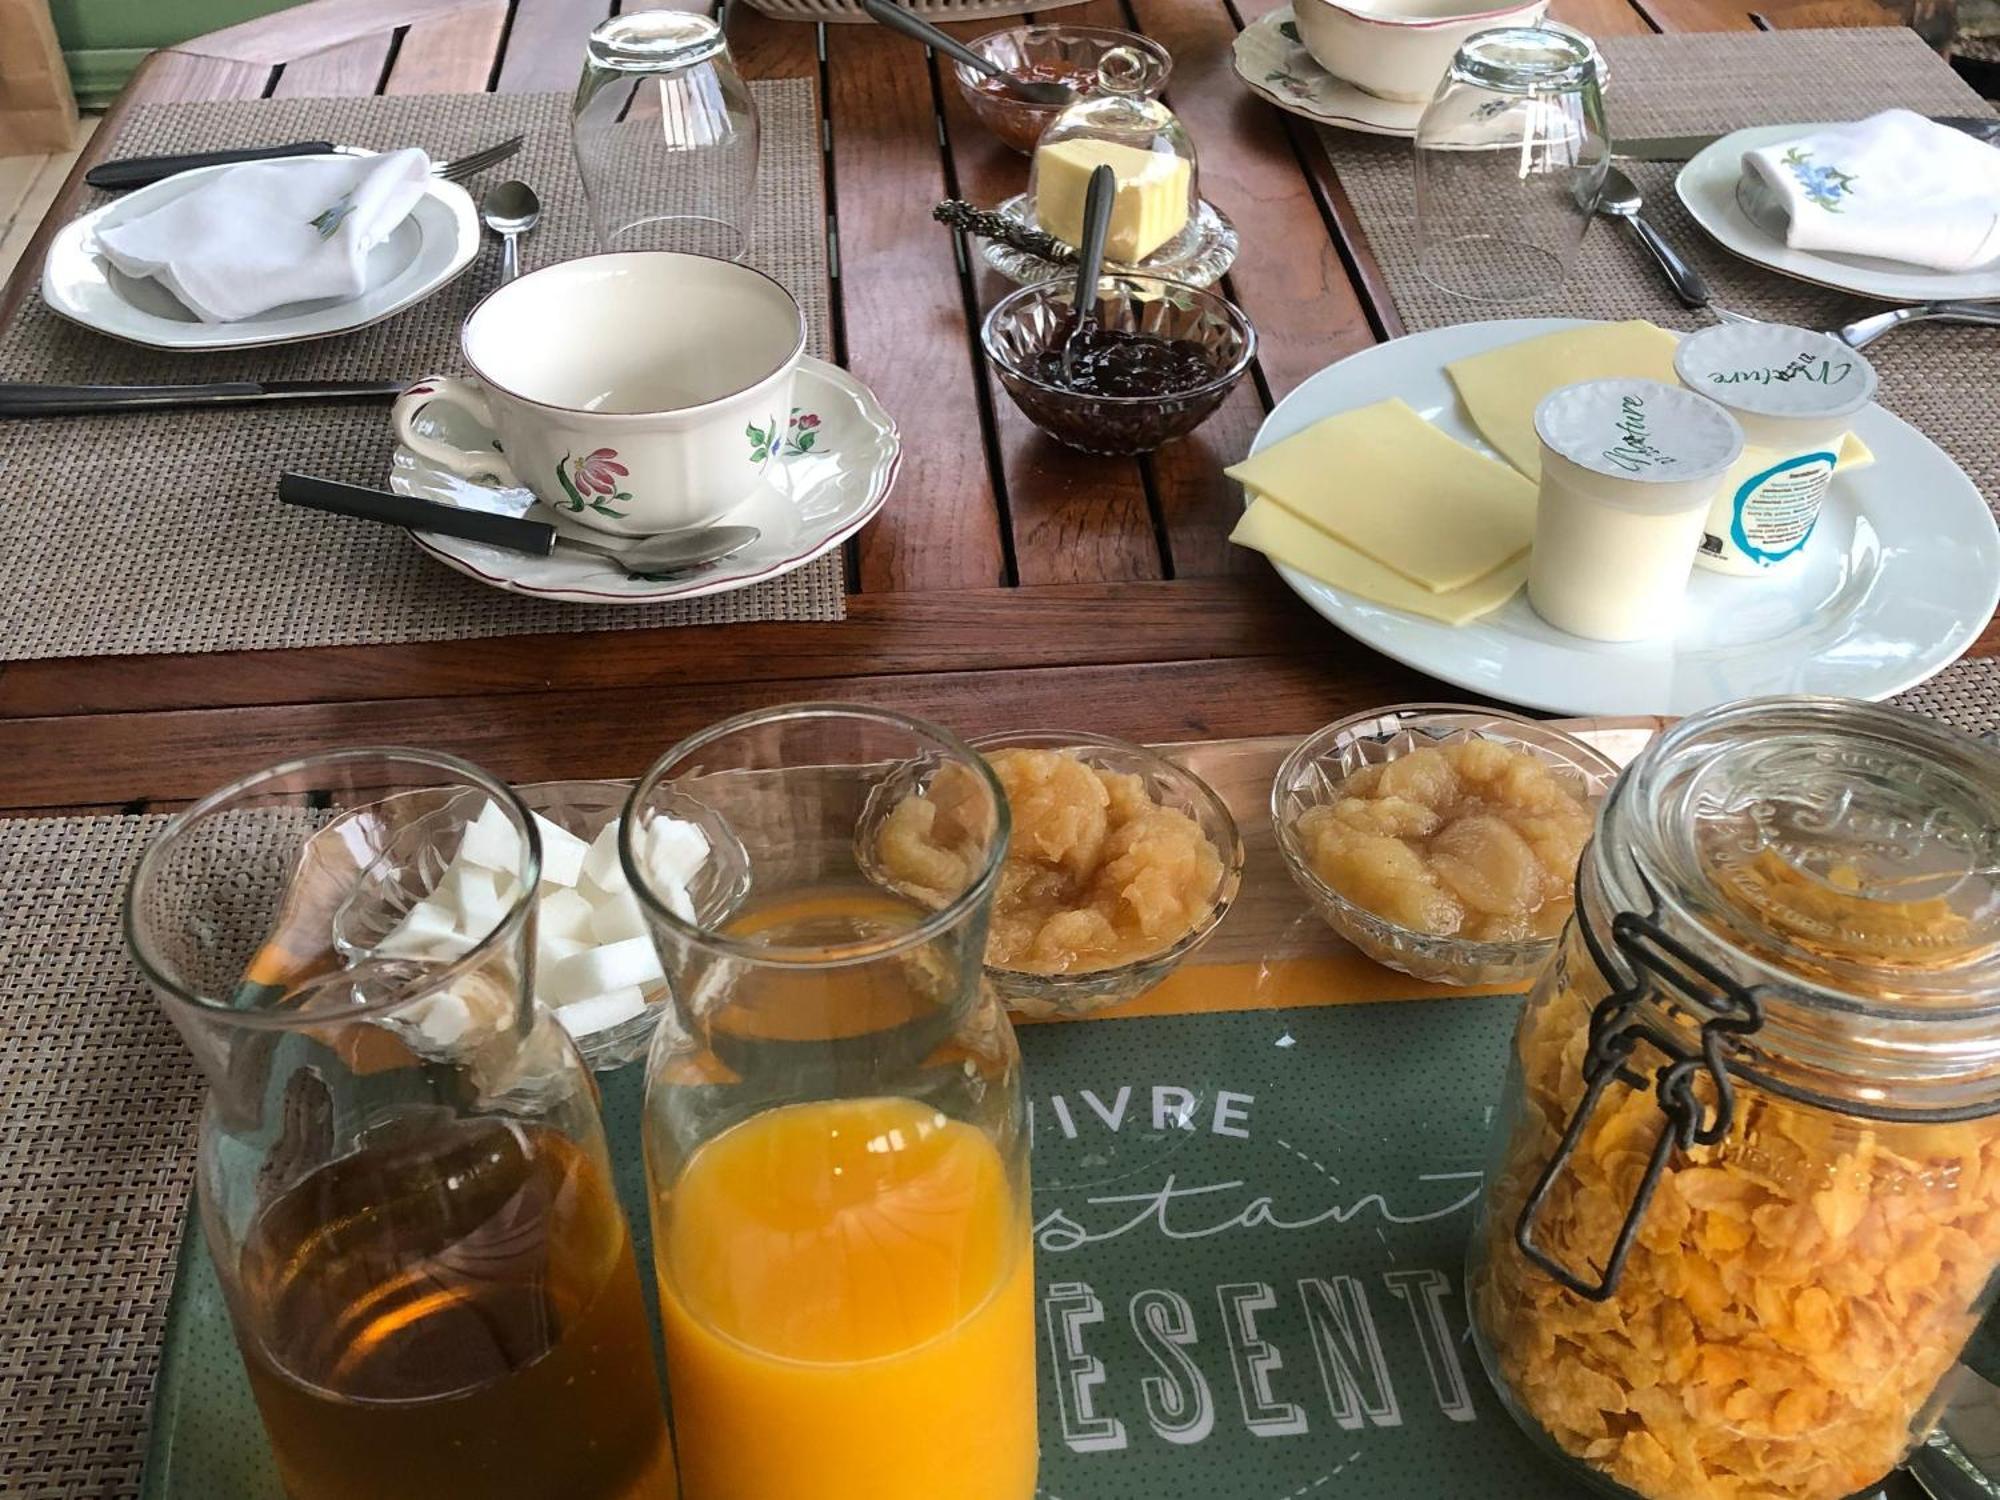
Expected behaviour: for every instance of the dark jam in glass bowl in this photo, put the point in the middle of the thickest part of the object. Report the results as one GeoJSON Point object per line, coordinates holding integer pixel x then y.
{"type": "Point", "coordinates": [1111, 363]}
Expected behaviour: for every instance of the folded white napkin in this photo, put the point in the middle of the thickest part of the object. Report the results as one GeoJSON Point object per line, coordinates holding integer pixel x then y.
{"type": "Point", "coordinates": [1895, 185]}
{"type": "Point", "coordinates": [264, 234]}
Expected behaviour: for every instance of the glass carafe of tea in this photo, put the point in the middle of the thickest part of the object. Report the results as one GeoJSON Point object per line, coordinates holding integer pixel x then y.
{"type": "Point", "coordinates": [402, 1177]}
{"type": "Point", "coordinates": [835, 1152]}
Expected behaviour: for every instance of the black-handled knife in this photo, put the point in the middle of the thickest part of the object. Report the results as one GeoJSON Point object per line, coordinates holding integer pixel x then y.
{"type": "Point", "coordinates": [537, 538]}
{"type": "Point", "coordinates": [27, 399]}
{"type": "Point", "coordinates": [143, 171]}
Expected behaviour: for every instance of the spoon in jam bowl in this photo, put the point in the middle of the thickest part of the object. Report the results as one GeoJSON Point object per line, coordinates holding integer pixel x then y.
{"type": "Point", "coordinates": [1098, 200]}
{"type": "Point", "coordinates": [1027, 90]}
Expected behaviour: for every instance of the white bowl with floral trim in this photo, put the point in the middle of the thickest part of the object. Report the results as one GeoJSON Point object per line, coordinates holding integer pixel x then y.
{"type": "Point", "coordinates": [1399, 49]}
{"type": "Point", "coordinates": [636, 393]}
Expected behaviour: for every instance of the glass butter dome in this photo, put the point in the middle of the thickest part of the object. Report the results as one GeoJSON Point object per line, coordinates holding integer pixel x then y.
{"type": "Point", "coordinates": [1158, 214]}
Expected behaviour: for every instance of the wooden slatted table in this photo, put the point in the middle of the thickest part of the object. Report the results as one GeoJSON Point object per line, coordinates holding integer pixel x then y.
{"type": "Point", "coordinates": [1008, 582]}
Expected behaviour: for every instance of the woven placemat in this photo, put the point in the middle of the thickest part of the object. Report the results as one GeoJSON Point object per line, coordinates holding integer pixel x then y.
{"type": "Point", "coordinates": [162, 532]}
{"type": "Point", "coordinates": [1943, 379]}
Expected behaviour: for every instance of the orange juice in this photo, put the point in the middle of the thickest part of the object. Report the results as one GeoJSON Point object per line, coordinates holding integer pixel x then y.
{"type": "Point", "coordinates": [847, 1292]}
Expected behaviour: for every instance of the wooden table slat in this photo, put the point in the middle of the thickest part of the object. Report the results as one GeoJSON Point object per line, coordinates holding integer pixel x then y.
{"type": "Point", "coordinates": [113, 758]}
{"type": "Point", "coordinates": [354, 67]}
{"type": "Point", "coordinates": [451, 54]}
{"type": "Point", "coordinates": [545, 44]}
{"type": "Point", "coordinates": [905, 319]}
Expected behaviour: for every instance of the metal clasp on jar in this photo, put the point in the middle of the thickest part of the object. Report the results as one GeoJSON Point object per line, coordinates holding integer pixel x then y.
{"type": "Point", "coordinates": [1616, 1029]}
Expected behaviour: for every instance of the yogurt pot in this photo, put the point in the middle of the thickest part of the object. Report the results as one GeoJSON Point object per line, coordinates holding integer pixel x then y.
{"type": "Point", "coordinates": [1794, 393]}
{"type": "Point", "coordinates": [1629, 468]}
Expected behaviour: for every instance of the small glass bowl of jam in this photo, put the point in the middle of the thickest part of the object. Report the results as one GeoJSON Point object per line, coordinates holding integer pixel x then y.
{"type": "Point", "coordinates": [1156, 360]}
{"type": "Point", "coordinates": [1049, 54]}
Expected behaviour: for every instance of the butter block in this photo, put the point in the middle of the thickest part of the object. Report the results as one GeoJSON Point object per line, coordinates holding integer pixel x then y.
{"type": "Point", "coordinates": [1151, 206]}
{"type": "Point", "coordinates": [1501, 388]}
{"type": "Point", "coordinates": [1284, 538]}
{"type": "Point", "coordinates": [1392, 487]}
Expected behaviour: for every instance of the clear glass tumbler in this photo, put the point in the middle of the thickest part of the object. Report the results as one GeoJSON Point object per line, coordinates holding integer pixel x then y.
{"type": "Point", "coordinates": [836, 1156]}
{"type": "Point", "coordinates": [402, 1178]}
{"type": "Point", "coordinates": [665, 134]}
{"type": "Point", "coordinates": [1510, 156]}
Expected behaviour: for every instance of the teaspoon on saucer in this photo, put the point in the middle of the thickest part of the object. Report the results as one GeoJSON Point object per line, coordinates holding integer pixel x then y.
{"type": "Point", "coordinates": [650, 557]}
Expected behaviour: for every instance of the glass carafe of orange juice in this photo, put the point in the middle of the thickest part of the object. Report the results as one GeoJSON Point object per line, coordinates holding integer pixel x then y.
{"type": "Point", "coordinates": [835, 1149]}
{"type": "Point", "coordinates": [401, 1174]}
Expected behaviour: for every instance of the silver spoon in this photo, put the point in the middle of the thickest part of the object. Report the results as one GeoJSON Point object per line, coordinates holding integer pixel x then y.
{"type": "Point", "coordinates": [677, 552]}
{"type": "Point", "coordinates": [1098, 201]}
{"type": "Point", "coordinates": [1620, 198]}
{"type": "Point", "coordinates": [1027, 90]}
{"type": "Point", "coordinates": [510, 209]}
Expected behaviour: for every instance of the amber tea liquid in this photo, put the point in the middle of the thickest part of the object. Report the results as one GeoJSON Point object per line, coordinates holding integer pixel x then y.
{"type": "Point", "coordinates": [454, 1315]}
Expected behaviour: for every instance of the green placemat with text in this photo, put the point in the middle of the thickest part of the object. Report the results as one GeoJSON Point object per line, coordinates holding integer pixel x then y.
{"type": "Point", "coordinates": [1250, 1229]}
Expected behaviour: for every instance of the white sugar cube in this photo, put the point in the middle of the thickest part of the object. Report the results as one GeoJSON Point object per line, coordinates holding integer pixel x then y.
{"type": "Point", "coordinates": [675, 850]}
{"type": "Point", "coordinates": [428, 930]}
{"type": "Point", "coordinates": [565, 914]}
{"type": "Point", "coordinates": [490, 841]}
{"type": "Point", "coordinates": [474, 894]}
{"type": "Point", "coordinates": [600, 864]}
{"type": "Point", "coordinates": [445, 1019]}
{"type": "Point", "coordinates": [562, 853]}
{"type": "Point", "coordinates": [582, 1017]}
{"type": "Point", "coordinates": [617, 917]}
{"type": "Point", "coordinates": [676, 897]}
{"type": "Point", "coordinates": [595, 971]}
{"type": "Point", "coordinates": [553, 950]}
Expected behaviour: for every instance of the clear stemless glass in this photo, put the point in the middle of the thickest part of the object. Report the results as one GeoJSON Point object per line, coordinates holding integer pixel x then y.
{"type": "Point", "coordinates": [665, 133]}
{"type": "Point", "coordinates": [402, 1178]}
{"type": "Point", "coordinates": [1510, 156]}
{"type": "Point", "coordinates": [835, 1151]}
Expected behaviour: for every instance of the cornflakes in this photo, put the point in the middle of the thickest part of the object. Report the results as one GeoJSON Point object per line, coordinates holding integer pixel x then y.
{"type": "Point", "coordinates": [1795, 1295]}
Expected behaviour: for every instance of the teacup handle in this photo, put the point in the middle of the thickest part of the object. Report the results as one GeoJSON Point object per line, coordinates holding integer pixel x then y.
{"type": "Point", "coordinates": [467, 463]}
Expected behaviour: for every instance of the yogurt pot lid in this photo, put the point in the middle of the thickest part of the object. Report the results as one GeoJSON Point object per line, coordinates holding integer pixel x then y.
{"type": "Point", "coordinates": [1639, 430]}
{"type": "Point", "coordinates": [1771, 370]}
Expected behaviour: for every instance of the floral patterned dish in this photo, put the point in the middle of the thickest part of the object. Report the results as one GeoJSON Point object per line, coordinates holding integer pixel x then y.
{"type": "Point", "coordinates": [833, 460]}
{"type": "Point", "coordinates": [1710, 188]}
{"type": "Point", "coordinates": [1276, 67]}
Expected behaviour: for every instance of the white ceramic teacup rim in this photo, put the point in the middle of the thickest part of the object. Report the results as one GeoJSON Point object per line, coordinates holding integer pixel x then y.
{"type": "Point", "coordinates": [788, 362]}
{"type": "Point", "coordinates": [1424, 23]}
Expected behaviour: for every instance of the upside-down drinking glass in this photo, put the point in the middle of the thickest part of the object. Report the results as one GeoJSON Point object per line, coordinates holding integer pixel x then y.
{"type": "Point", "coordinates": [836, 1156]}
{"type": "Point", "coordinates": [401, 1174]}
{"type": "Point", "coordinates": [1510, 156]}
{"type": "Point", "coordinates": [665, 133]}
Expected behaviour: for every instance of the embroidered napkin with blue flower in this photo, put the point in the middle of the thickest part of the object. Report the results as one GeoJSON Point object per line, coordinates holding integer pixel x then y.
{"type": "Point", "coordinates": [245, 239]}
{"type": "Point", "coordinates": [1896, 186]}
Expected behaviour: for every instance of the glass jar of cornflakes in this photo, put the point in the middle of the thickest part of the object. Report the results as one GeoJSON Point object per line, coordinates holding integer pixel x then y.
{"type": "Point", "coordinates": [1747, 1208]}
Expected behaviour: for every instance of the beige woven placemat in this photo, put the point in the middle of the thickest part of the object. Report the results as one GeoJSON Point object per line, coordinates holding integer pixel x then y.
{"type": "Point", "coordinates": [1943, 379]}
{"type": "Point", "coordinates": [162, 532]}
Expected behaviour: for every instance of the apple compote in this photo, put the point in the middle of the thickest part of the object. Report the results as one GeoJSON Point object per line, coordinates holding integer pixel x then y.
{"type": "Point", "coordinates": [1473, 839]}
{"type": "Point", "coordinates": [1098, 873]}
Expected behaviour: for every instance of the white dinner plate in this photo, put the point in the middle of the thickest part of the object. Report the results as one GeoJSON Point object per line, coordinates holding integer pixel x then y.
{"type": "Point", "coordinates": [833, 470]}
{"type": "Point", "coordinates": [1275, 66]}
{"type": "Point", "coordinates": [431, 247]}
{"type": "Point", "coordinates": [1707, 185]}
{"type": "Point", "coordinates": [1899, 578]}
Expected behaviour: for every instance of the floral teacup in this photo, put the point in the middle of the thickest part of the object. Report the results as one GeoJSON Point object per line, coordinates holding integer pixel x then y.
{"type": "Point", "coordinates": [638, 393]}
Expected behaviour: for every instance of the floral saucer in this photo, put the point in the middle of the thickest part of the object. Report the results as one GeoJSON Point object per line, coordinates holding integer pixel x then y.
{"type": "Point", "coordinates": [1275, 65]}
{"type": "Point", "coordinates": [832, 465]}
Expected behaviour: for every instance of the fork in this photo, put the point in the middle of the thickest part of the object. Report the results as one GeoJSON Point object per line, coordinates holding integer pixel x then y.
{"type": "Point", "coordinates": [142, 171]}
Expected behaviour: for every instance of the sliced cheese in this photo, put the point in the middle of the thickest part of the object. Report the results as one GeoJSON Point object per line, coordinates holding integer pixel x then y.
{"type": "Point", "coordinates": [1854, 454]}
{"type": "Point", "coordinates": [1284, 538]}
{"type": "Point", "coordinates": [1501, 388]}
{"type": "Point", "coordinates": [1389, 485]}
